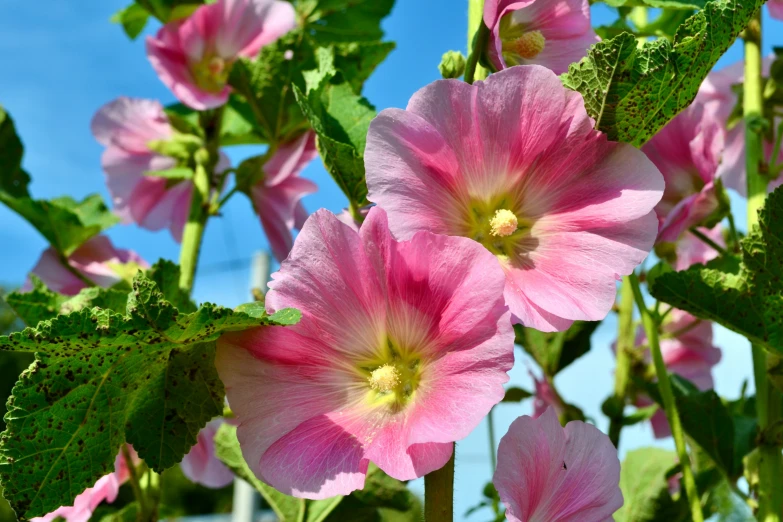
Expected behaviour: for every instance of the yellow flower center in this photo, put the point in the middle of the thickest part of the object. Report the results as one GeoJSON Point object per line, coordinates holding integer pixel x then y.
{"type": "Point", "coordinates": [503, 223]}
{"type": "Point", "coordinates": [385, 378]}
{"type": "Point", "coordinates": [211, 73]}
{"type": "Point", "coordinates": [528, 46]}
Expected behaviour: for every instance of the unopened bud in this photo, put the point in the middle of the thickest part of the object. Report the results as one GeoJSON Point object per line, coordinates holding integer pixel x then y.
{"type": "Point", "coordinates": [452, 65]}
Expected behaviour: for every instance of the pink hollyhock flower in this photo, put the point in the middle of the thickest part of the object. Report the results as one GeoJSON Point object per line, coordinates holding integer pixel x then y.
{"type": "Point", "coordinates": [514, 163]}
{"type": "Point", "coordinates": [97, 260]}
{"type": "Point", "coordinates": [775, 9]}
{"type": "Point", "coordinates": [125, 127]}
{"type": "Point", "coordinates": [402, 349]}
{"type": "Point", "coordinates": [687, 349]}
{"type": "Point", "coordinates": [106, 489]}
{"type": "Point", "coordinates": [547, 473]}
{"type": "Point", "coordinates": [193, 57]}
{"type": "Point", "coordinates": [545, 397]}
{"type": "Point", "coordinates": [687, 151]}
{"type": "Point", "coordinates": [277, 197]}
{"type": "Point", "coordinates": [693, 251]}
{"type": "Point", "coordinates": [717, 94]}
{"type": "Point", "coordinates": [552, 33]}
{"type": "Point", "coordinates": [201, 465]}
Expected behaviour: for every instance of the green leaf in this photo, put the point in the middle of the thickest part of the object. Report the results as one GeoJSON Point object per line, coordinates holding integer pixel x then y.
{"type": "Point", "coordinates": [358, 60]}
{"type": "Point", "coordinates": [341, 119]}
{"type": "Point", "coordinates": [331, 21]}
{"type": "Point", "coordinates": [632, 93]}
{"type": "Point", "coordinates": [266, 81]}
{"type": "Point", "coordinates": [516, 394]}
{"type": "Point", "coordinates": [236, 127]}
{"type": "Point", "coordinates": [643, 483]}
{"type": "Point", "coordinates": [129, 513]}
{"type": "Point", "coordinates": [745, 296]}
{"type": "Point", "coordinates": [133, 19]}
{"type": "Point", "coordinates": [13, 180]}
{"type": "Point", "coordinates": [555, 351]}
{"type": "Point", "coordinates": [170, 10]}
{"type": "Point", "coordinates": [102, 379]}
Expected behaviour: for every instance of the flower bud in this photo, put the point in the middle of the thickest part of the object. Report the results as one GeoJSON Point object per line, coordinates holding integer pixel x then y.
{"type": "Point", "coordinates": [452, 65]}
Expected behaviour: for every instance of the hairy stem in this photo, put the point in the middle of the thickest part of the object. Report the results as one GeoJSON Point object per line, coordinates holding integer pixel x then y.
{"type": "Point", "coordinates": [134, 480]}
{"type": "Point", "coordinates": [768, 399]}
{"type": "Point", "coordinates": [475, 23]}
{"type": "Point", "coordinates": [625, 343]}
{"type": "Point", "coordinates": [193, 234]}
{"type": "Point", "coordinates": [669, 404]}
{"type": "Point", "coordinates": [439, 493]}
{"type": "Point", "coordinates": [707, 241]}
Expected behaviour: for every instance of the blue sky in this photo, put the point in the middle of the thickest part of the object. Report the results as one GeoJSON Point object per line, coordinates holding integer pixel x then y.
{"type": "Point", "coordinates": [59, 63]}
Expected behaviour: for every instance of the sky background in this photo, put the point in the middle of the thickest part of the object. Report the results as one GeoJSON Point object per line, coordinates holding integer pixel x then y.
{"type": "Point", "coordinates": [60, 61]}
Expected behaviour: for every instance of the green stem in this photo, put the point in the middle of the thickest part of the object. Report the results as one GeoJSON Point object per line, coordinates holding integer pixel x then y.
{"type": "Point", "coordinates": [493, 460]}
{"type": "Point", "coordinates": [475, 23]}
{"type": "Point", "coordinates": [74, 271]}
{"type": "Point", "coordinates": [707, 241]}
{"type": "Point", "coordinates": [153, 494]}
{"type": "Point", "coordinates": [733, 234]}
{"type": "Point", "coordinates": [639, 18]}
{"type": "Point", "coordinates": [134, 480]}
{"type": "Point", "coordinates": [669, 404]}
{"type": "Point", "coordinates": [439, 493]}
{"type": "Point", "coordinates": [206, 159]}
{"type": "Point", "coordinates": [625, 343]}
{"type": "Point", "coordinates": [768, 399]}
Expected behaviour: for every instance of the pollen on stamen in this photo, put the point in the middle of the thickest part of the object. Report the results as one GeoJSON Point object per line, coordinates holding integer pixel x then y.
{"type": "Point", "coordinates": [529, 45]}
{"type": "Point", "coordinates": [503, 223]}
{"type": "Point", "coordinates": [385, 378]}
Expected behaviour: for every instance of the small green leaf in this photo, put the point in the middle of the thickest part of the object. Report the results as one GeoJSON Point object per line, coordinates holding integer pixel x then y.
{"type": "Point", "coordinates": [744, 296]}
{"type": "Point", "coordinates": [640, 415]}
{"type": "Point", "coordinates": [643, 483]}
{"type": "Point", "coordinates": [633, 92]}
{"type": "Point", "coordinates": [102, 379]}
{"type": "Point", "coordinates": [555, 351]}
{"type": "Point", "coordinates": [133, 20]}
{"type": "Point", "coordinates": [170, 10]}
{"type": "Point", "coordinates": [516, 394]}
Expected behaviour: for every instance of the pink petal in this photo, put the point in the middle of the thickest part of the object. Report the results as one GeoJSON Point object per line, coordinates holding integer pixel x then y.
{"type": "Point", "coordinates": [547, 473]}
{"type": "Point", "coordinates": [201, 465]}
{"type": "Point", "coordinates": [130, 123]}
{"type": "Point", "coordinates": [692, 250]}
{"type": "Point", "coordinates": [559, 53]}
{"type": "Point", "coordinates": [775, 9]}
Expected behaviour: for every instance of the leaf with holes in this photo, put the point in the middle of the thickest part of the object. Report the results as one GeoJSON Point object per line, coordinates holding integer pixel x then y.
{"type": "Point", "coordinates": [633, 92]}
{"type": "Point", "coordinates": [101, 379]}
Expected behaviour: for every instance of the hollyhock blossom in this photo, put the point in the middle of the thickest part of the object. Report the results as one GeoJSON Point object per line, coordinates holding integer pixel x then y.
{"type": "Point", "coordinates": [97, 260]}
{"type": "Point", "coordinates": [687, 151]}
{"type": "Point", "coordinates": [514, 163]}
{"type": "Point", "coordinates": [693, 251]}
{"type": "Point", "coordinates": [105, 489]}
{"type": "Point", "coordinates": [545, 397]}
{"type": "Point", "coordinates": [552, 33]}
{"type": "Point", "coordinates": [688, 351]}
{"type": "Point", "coordinates": [277, 197]}
{"type": "Point", "coordinates": [201, 465]}
{"type": "Point", "coordinates": [719, 98]}
{"type": "Point", "coordinates": [193, 57]}
{"type": "Point", "coordinates": [125, 127]}
{"type": "Point", "coordinates": [775, 9]}
{"type": "Point", "coordinates": [547, 473]}
{"type": "Point", "coordinates": [402, 349]}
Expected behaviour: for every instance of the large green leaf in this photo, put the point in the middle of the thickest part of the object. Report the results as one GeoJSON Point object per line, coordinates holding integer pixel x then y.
{"type": "Point", "coordinates": [64, 222]}
{"type": "Point", "coordinates": [644, 484]}
{"type": "Point", "coordinates": [331, 21]}
{"type": "Point", "coordinates": [133, 20]}
{"type": "Point", "coordinates": [101, 379]}
{"type": "Point", "coordinates": [555, 351]}
{"type": "Point", "coordinates": [745, 296]}
{"type": "Point", "coordinates": [633, 92]}
{"type": "Point", "coordinates": [341, 119]}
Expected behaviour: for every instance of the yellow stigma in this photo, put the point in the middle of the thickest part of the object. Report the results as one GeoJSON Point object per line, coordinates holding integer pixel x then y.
{"type": "Point", "coordinates": [385, 378]}
{"type": "Point", "coordinates": [504, 223]}
{"type": "Point", "coordinates": [528, 46]}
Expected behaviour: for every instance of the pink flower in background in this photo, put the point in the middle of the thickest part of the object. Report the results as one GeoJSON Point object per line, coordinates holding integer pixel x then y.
{"type": "Point", "coordinates": [193, 57]}
{"type": "Point", "coordinates": [402, 349]}
{"type": "Point", "coordinates": [514, 163]}
{"type": "Point", "coordinates": [106, 489]}
{"type": "Point", "coordinates": [687, 151]}
{"type": "Point", "coordinates": [277, 197]}
{"type": "Point", "coordinates": [775, 9]}
{"type": "Point", "coordinates": [693, 251]}
{"type": "Point", "coordinates": [125, 127]}
{"type": "Point", "coordinates": [201, 465]}
{"type": "Point", "coordinates": [545, 397]}
{"type": "Point", "coordinates": [687, 349]}
{"type": "Point", "coordinates": [547, 473]}
{"type": "Point", "coordinates": [552, 33]}
{"type": "Point", "coordinates": [719, 99]}
{"type": "Point", "coordinates": [346, 217]}
{"type": "Point", "coordinates": [97, 260]}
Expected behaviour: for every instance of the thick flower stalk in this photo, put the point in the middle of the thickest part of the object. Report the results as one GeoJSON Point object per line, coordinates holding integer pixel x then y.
{"type": "Point", "coordinates": [548, 473]}
{"type": "Point", "coordinates": [402, 349]}
{"type": "Point", "coordinates": [513, 162]}
{"type": "Point", "coordinates": [193, 57]}
{"type": "Point", "coordinates": [277, 197]}
{"type": "Point", "coordinates": [543, 32]}
{"type": "Point", "coordinates": [97, 262]}
{"type": "Point", "coordinates": [127, 127]}
{"type": "Point", "coordinates": [201, 465]}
